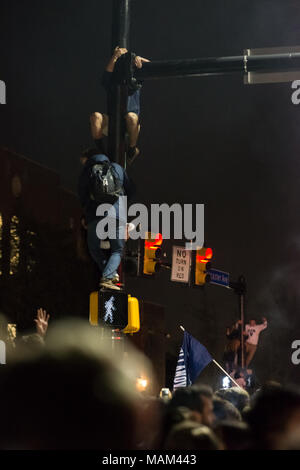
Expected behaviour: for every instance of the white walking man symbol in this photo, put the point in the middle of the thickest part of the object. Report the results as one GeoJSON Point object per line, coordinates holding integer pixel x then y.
{"type": "Point", "coordinates": [109, 309]}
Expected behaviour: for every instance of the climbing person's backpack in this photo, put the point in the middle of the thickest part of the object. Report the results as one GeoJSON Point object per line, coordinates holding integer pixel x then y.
{"type": "Point", "coordinates": [105, 185]}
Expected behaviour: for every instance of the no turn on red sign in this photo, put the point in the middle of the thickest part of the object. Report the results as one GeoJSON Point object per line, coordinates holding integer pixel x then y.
{"type": "Point", "coordinates": [181, 264]}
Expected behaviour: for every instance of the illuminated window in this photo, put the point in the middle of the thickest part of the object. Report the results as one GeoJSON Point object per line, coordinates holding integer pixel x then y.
{"type": "Point", "coordinates": [14, 245]}
{"type": "Point", "coordinates": [1, 235]}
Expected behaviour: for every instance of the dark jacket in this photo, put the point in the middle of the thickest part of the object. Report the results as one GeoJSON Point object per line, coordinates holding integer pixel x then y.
{"type": "Point", "coordinates": [89, 206]}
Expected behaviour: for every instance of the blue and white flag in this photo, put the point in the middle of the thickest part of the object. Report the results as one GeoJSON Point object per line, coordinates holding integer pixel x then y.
{"type": "Point", "coordinates": [193, 358]}
{"type": "Point", "coordinates": [180, 379]}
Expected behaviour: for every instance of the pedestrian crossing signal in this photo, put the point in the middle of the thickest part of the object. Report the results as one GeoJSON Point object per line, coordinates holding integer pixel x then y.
{"type": "Point", "coordinates": [203, 264]}
{"type": "Point", "coordinates": [116, 310]}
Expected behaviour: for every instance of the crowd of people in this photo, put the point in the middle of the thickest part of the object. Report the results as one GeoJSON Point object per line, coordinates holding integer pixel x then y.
{"type": "Point", "coordinates": [72, 390]}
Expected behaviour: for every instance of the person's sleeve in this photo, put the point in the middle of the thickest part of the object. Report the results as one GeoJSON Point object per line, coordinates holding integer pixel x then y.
{"type": "Point", "coordinates": [246, 329]}
{"type": "Point", "coordinates": [263, 326]}
{"type": "Point", "coordinates": [106, 80]}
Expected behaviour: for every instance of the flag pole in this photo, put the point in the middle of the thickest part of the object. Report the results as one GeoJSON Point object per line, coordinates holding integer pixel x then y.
{"type": "Point", "coordinates": [223, 370]}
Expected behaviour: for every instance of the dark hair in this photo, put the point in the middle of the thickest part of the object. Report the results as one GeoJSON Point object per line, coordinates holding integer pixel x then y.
{"type": "Point", "coordinates": [90, 152]}
{"type": "Point", "coordinates": [237, 396]}
{"type": "Point", "coordinates": [271, 410]}
{"type": "Point", "coordinates": [84, 393]}
{"type": "Point", "coordinates": [189, 435]}
{"type": "Point", "coordinates": [224, 410]}
{"type": "Point", "coordinates": [191, 397]}
{"type": "Point", "coordinates": [235, 435]}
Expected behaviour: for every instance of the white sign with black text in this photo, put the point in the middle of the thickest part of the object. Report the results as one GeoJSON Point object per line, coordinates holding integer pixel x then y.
{"type": "Point", "coordinates": [181, 264]}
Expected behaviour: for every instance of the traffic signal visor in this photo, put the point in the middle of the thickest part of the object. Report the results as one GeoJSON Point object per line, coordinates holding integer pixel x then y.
{"type": "Point", "coordinates": [152, 252]}
{"type": "Point", "coordinates": [203, 264]}
{"type": "Point", "coordinates": [133, 324]}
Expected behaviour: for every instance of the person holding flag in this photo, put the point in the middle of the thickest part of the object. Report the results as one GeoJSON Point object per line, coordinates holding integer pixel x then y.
{"type": "Point", "coordinates": [193, 358]}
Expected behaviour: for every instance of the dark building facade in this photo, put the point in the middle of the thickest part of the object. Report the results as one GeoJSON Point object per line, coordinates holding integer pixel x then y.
{"type": "Point", "coordinates": [44, 260]}
{"type": "Point", "coordinates": [43, 257]}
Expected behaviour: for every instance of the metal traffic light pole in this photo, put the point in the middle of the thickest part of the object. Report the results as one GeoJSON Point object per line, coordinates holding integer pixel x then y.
{"type": "Point", "coordinates": [116, 137]}
{"type": "Point", "coordinates": [242, 312]}
{"type": "Point", "coordinates": [239, 288]}
{"type": "Point", "coordinates": [120, 37]}
{"type": "Point", "coordinates": [242, 64]}
{"type": "Point", "coordinates": [219, 65]}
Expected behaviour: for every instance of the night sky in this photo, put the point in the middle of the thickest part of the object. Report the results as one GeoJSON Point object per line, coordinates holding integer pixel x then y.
{"type": "Point", "coordinates": [208, 140]}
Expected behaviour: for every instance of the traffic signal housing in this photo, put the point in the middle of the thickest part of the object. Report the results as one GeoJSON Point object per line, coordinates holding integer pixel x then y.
{"type": "Point", "coordinates": [115, 310]}
{"type": "Point", "coordinates": [203, 265]}
{"type": "Point", "coordinates": [152, 253]}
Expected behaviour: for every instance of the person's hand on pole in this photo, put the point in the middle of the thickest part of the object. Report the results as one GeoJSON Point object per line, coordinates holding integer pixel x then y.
{"type": "Point", "coordinates": [116, 55]}
{"type": "Point", "coordinates": [118, 52]}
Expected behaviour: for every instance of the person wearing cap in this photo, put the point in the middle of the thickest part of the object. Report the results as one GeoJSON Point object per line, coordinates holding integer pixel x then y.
{"type": "Point", "coordinates": [108, 262]}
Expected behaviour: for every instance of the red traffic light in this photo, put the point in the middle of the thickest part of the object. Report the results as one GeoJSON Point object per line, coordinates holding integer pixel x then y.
{"type": "Point", "coordinates": [153, 243]}
{"type": "Point", "coordinates": [204, 255]}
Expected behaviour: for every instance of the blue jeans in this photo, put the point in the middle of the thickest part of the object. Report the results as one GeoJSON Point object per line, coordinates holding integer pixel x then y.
{"type": "Point", "coordinates": [108, 261]}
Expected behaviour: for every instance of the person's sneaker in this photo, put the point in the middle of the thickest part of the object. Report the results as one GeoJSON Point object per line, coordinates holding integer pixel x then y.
{"type": "Point", "coordinates": [116, 279]}
{"type": "Point", "coordinates": [108, 284]}
{"type": "Point", "coordinates": [132, 153]}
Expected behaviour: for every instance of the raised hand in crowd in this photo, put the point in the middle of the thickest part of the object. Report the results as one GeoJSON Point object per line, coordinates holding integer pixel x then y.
{"type": "Point", "coordinates": [42, 322]}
